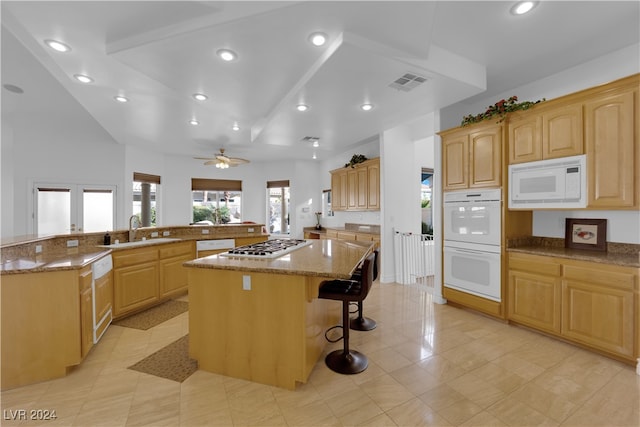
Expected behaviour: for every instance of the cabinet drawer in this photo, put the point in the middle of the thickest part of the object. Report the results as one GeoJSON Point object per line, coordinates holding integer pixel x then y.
{"type": "Point", "coordinates": [346, 235]}
{"type": "Point", "coordinates": [603, 275]}
{"type": "Point", "coordinates": [176, 249]}
{"type": "Point", "coordinates": [535, 264]}
{"type": "Point", "coordinates": [134, 257]}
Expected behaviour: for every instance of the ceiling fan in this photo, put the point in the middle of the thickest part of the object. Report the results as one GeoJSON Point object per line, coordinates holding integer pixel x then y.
{"type": "Point", "coordinates": [223, 161]}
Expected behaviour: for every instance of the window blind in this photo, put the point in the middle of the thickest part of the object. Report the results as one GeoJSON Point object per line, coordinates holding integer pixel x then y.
{"type": "Point", "coordinates": [204, 184]}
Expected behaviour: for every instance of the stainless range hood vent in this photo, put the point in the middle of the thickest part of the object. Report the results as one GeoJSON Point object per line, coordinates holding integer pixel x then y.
{"type": "Point", "coordinates": [408, 82]}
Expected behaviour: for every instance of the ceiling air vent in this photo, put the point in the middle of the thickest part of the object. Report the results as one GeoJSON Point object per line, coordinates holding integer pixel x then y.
{"type": "Point", "coordinates": [408, 82]}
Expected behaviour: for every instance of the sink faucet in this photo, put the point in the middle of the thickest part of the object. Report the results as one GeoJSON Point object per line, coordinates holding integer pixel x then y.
{"type": "Point", "coordinates": [133, 226]}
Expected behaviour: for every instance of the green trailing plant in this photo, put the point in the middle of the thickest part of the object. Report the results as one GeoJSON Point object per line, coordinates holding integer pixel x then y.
{"type": "Point", "coordinates": [357, 158]}
{"type": "Point", "coordinates": [500, 109]}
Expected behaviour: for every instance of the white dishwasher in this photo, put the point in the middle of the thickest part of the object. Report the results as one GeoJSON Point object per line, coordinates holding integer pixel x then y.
{"type": "Point", "coordinates": [210, 247]}
{"type": "Point", "coordinates": [102, 291]}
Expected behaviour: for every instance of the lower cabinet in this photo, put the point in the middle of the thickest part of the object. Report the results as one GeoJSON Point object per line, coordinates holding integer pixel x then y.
{"type": "Point", "coordinates": [135, 287]}
{"type": "Point", "coordinates": [173, 276]}
{"type": "Point", "coordinates": [592, 304]}
{"type": "Point", "coordinates": [86, 311]}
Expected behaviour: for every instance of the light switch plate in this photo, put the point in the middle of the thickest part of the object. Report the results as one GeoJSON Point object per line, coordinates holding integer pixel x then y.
{"type": "Point", "coordinates": [72, 243]}
{"type": "Point", "coordinates": [246, 283]}
{"type": "Point", "coordinates": [38, 249]}
{"type": "Point", "coordinates": [250, 230]}
{"type": "Point", "coordinates": [205, 231]}
{"type": "Point", "coordinates": [166, 233]}
{"type": "Point", "coordinates": [154, 234]}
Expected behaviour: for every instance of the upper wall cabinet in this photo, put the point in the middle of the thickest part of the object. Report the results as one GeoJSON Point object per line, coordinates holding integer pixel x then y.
{"type": "Point", "coordinates": [545, 133]}
{"type": "Point", "coordinates": [472, 156]}
{"type": "Point", "coordinates": [357, 188]}
{"type": "Point", "coordinates": [613, 151]}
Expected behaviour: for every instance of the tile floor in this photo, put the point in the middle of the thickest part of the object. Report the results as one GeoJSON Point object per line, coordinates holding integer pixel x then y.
{"type": "Point", "coordinates": [429, 364]}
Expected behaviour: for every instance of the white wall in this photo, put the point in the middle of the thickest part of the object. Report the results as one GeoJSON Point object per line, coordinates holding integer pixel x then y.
{"type": "Point", "coordinates": [6, 175]}
{"type": "Point", "coordinates": [621, 226]}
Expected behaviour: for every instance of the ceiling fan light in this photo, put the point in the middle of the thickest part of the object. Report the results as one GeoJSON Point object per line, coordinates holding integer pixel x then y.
{"type": "Point", "coordinates": [235, 127]}
{"type": "Point", "coordinates": [121, 98]}
{"type": "Point", "coordinates": [194, 122]}
{"type": "Point", "coordinates": [200, 96]}
{"type": "Point", "coordinates": [302, 107]}
{"type": "Point", "coordinates": [57, 46]}
{"type": "Point", "coordinates": [366, 107]}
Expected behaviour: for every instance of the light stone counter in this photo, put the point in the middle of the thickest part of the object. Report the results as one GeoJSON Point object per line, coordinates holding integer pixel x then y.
{"type": "Point", "coordinates": [322, 258]}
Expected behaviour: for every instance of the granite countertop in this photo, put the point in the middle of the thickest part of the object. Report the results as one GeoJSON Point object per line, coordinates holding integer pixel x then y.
{"type": "Point", "coordinates": [42, 263]}
{"type": "Point", "coordinates": [625, 255]}
{"type": "Point", "coordinates": [323, 258]}
{"type": "Point", "coordinates": [356, 228]}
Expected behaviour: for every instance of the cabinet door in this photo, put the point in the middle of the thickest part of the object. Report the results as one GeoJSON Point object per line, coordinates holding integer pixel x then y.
{"type": "Point", "coordinates": [352, 189]}
{"type": "Point", "coordinates": [339, 191]}
{"type": "Point", "coordinates": [525, 138]}
{"type": "Point", "coordinates": [455, 161]}
{"type": "Point", "coordinates": [135, 287]}
{"type": "Point", "coordinates": [611, 156]}
{"type": "Point", "coordinates": [598, 316]}
{"type": "Point", "coordinates": [485, 157]}
{"type": "Point", "coordinates": [362, 190]}
{"type": "Point", "coordinates": [534, 300]}
{"type": "Point", "coordinates": [373, 188]}
{"type": "Point", "coordinates": [562, 132]}
{"type": "Point", "coordinates": [86, 313]}
{"type": "Point", "coordinates": [173, 276]}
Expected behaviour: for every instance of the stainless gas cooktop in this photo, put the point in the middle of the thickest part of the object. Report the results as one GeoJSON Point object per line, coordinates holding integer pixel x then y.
{"type": "Point", "coordinates": [269, 249]}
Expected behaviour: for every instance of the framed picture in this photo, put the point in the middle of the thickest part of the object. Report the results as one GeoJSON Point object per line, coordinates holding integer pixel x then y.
{"type": "Point", "coordinates": [585, 234]}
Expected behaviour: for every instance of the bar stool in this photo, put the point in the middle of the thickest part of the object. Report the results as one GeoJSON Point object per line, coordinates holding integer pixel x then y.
{"type": "Point", "coordinates": [362, 323]}
{"type": "Point", "coordinates": [347, 361]}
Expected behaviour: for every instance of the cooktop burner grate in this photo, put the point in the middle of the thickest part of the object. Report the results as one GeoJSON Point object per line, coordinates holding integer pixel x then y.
{"type": "Point", "coordinates": [268, 249]}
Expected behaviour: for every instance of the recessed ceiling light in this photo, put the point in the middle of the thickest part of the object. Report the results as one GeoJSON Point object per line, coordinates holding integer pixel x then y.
{"type": "Point", "coordinates": [194, 122]}
{"type": "Point", "coordinates": [235, 127]}
{"type": "Point", "coordinates": [302, 107]}
{"type": "Point", "coordinates": [121, 98]}
{"type": "Point", "coordinates": [226, 54]}
{"type": "Point", "coordinates": [315, 143]}
{"type": "Point", "coordinates": [314, 156]}
{"type": "Point", "coordinates": [200, 96]}
{"type": "Point", "coordinates": [523, 7]}
{"type": "Point", "coordinates": [366, 107]}
{"type": "Point", "coordinates": [56, 45]}
{"type": "Point", "coordinates": [83, 78]}
{"type": "Point", "coordinates": [318, 39]}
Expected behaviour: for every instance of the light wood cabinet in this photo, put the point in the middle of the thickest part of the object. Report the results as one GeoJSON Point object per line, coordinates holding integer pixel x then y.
{"type": "Point", "coordinates": [86, 311]}
{"type": "Point", "coordinates": [611, 123]}
{"type": "Point", "coordinates": [357, 188]}
{"type": "Point", "coordinates": [173, 276]}
{"type": "Point", "coordinates": [472, 157]}
{"type": "Point", "coordinates": [598, 307]}
{"type": "Point", "coordinates": [545, 133]}
{"type": "Point", "coordinates": [534, 292]}
{"type": "Point", "coordinates": [589, 303]}
{"type": "Point", "coordinates": [103, 288]}
{"type": "Point", "coordinates": [136, 275]}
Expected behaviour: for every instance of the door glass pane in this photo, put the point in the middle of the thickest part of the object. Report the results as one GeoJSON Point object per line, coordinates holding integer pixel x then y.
{"type": "Point", "coordinates": [53, 211]}
{"type": "Point", "coordinates": [279, 210]}
{"type": "Point", "coordinates": [97, 211]}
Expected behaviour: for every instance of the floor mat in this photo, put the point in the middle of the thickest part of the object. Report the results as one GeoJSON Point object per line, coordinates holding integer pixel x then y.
{"type": "Point", "coordinates": [154, 316]}
{"type": "Point", "coordinates": [171, 362]}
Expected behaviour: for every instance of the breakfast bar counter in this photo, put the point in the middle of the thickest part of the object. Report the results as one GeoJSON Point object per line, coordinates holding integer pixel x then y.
{"type": "Point", "coordinates": [260, 319]}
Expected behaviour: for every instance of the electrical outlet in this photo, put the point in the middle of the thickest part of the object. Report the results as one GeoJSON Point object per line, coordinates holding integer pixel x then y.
{"type": "Point", "coordinates": [154, 234]}
{"type": "Point", "coordinates": [205, 231]}
{"type": "Point", "coordinates": [166, 233]}
{"type": "Point", "coordinates": [38, 249]}
{"type": "Point", "coordinates": [250, 230]}
{"type": "Point", "coordinates": [72, 243]}
{"type": "Point", "coordinates": [246, 283]}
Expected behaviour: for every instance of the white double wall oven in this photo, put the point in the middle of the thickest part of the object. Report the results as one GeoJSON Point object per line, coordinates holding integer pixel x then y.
{"type": "Point", "coordinates": [472, 242]}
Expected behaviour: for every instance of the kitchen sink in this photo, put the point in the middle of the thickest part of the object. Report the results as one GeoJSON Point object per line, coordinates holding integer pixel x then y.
{"type": "Point", "coordinates": [139, 243]}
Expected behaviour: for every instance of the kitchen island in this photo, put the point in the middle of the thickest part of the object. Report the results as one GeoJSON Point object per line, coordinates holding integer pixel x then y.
{"type": "Point", "coordinates": [260, 319]}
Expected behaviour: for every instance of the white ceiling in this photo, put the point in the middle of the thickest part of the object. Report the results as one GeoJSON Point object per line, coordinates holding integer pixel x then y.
{"type": "Point", "coordinates": [159, 53]}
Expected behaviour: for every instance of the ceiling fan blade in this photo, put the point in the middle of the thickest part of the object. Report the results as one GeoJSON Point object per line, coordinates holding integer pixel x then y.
{"type": "Point", "coordinates": [237, 161]}
{"type": "Point", "coordinates": [204, 158]}
{"type": "Point", "coordinates": [222, 158]}
{"type": "Point", "coordinates": [211, 162]}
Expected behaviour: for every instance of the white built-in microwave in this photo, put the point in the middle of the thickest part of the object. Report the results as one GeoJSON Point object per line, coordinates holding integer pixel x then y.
{"type": "Point", "coordinates": [549, 184]}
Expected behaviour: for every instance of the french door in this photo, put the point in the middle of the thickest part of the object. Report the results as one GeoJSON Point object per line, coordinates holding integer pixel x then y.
{"type": "Point", "coordinates": [73, 208]}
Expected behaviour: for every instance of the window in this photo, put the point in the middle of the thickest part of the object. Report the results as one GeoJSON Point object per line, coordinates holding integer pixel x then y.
{"type": "Point", "coordinates": [426, 190]}
{"type": "Point", "coordinates": [145, 190]}
{"type": "Point", "coordinates": [216, 201]}
{"type": "Point", "coordinates": [70, 208]}
{"type": "Point", "coordinates": [278, 206]}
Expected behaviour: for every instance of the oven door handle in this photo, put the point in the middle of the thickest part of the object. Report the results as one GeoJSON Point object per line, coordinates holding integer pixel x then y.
{"type": "Point", "coordinates": [469, 251]}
